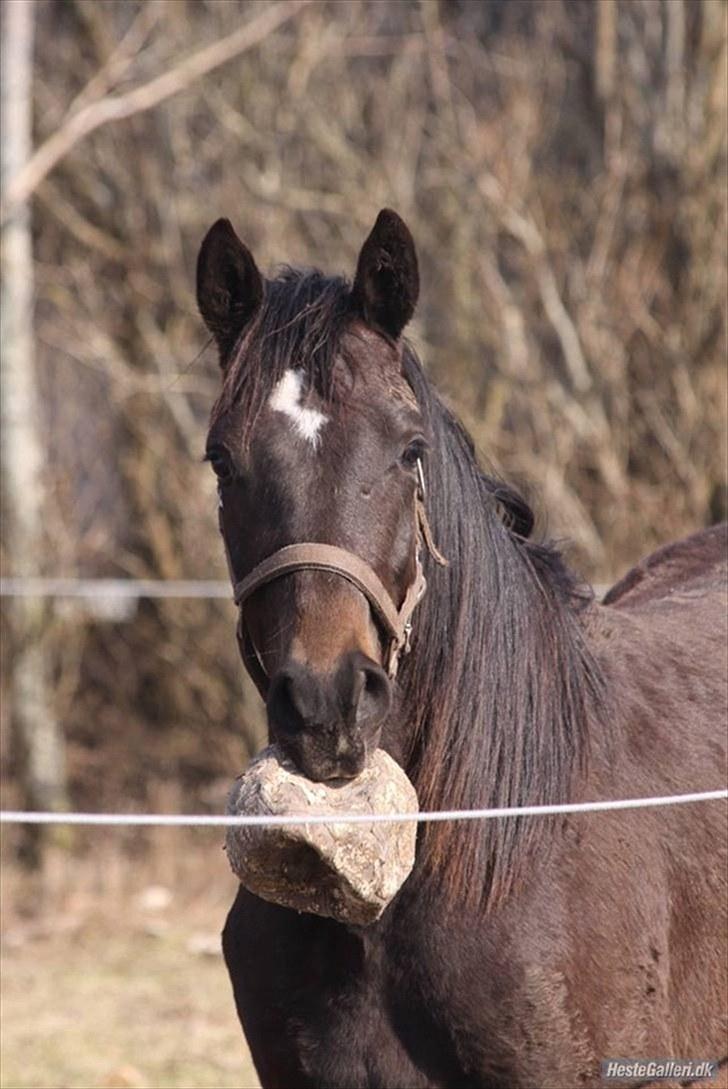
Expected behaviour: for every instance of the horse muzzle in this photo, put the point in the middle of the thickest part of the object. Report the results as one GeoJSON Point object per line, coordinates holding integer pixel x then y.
{"type": "Point", "coordinates": [329, 724]}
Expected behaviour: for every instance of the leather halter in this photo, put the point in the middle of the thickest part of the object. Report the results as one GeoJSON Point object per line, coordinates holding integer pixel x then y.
{"type": "Point", "coordinates": [314, 556]}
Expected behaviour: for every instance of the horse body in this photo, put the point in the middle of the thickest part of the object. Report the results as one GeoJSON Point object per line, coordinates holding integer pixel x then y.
{"type": "Point", "coordinates": [609, 949]}
{"type": "Point", "coordinates": [520, 952]}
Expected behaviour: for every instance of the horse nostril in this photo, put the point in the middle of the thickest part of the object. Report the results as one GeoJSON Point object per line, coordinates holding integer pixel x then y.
{"type": "Point", "coordinates": [373, 693]}
{"type": "Point", "coordinates": [288, 700]}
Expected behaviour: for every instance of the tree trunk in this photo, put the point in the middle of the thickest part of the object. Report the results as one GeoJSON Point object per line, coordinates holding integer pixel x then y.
{"type": "Point", "coordinates": [36, 730]}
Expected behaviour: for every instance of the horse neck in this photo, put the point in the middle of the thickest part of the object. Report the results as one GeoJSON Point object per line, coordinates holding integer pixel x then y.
{"type": "Point", "coordinates": [500, 683]}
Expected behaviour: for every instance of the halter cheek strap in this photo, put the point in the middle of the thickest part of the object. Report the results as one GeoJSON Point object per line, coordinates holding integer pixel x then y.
{"type": "Point", "coordinates": [314, 556]}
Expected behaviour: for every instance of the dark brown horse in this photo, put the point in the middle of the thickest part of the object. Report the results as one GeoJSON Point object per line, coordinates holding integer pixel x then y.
{"type": "Point", "coordinates": [520, 952]}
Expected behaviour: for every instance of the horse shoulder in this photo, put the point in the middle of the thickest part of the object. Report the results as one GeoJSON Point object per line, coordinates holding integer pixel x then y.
{"type": "Point", "coordinates": [661, 636]}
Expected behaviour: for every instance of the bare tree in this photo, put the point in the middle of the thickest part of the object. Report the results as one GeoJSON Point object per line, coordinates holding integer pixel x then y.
{"type": "Point", "coordinates": [36, 727]}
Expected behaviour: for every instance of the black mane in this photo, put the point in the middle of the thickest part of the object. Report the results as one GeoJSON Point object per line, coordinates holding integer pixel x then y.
{"type": "Point", "coordinates": [500, 680]}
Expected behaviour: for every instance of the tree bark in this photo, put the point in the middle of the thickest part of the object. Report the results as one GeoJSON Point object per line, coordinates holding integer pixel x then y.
{"type": "Point", "coordinates": [33, 720]}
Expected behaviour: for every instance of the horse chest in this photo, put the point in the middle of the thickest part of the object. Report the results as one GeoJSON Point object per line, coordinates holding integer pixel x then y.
{"type": "Point", "coordinates": [322, 1006]}
{"type": "Point", "coordinates": [354, 1036]}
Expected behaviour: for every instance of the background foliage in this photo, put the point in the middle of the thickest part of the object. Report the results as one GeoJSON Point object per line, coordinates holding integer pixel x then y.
{"type": "Point", "coordinates": [562, 166]}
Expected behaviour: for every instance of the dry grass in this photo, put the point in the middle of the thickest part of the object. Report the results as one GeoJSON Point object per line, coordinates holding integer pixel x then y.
{"type": "Point", "coordinates": [112, 973]}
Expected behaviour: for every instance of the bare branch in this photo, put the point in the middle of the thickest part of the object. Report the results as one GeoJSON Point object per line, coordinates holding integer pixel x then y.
{"type": "Point", "coordinates": [117, 107]}
{"type": "Point", "coordinates": [120, 58]}
{"type": "Point", "coordinates": [525, 230]}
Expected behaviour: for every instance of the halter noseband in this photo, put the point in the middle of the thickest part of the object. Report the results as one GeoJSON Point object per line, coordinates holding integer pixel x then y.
{"type": "Point", "coordinates": [314, 556]}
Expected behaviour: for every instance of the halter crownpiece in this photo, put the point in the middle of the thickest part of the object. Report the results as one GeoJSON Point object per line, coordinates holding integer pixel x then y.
{"type": "Point", "coordinates": [314, 556]}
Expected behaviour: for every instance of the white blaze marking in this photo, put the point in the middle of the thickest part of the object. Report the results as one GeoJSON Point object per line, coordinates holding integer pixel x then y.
{"type": "Point", "coordinates": [286, 398]}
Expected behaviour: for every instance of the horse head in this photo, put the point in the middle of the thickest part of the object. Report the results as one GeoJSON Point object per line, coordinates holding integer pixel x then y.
{"type": "Point", "coordinates": [318, 444]}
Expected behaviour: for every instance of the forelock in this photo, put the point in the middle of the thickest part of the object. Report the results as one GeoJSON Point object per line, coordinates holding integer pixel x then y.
{"type": "Point", "coordinates": [299, 326]}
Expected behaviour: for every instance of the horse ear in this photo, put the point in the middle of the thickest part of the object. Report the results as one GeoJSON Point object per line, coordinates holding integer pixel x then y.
{"type": "Point", "coordinates": [387, 280]}
{"type": "Point", "coordinates": [229, 285]}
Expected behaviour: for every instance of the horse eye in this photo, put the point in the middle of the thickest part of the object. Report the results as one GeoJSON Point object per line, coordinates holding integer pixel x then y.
{"type": "Point", "coordinates": [414, 451]}
{"type": "Point", "coordinates": [221, 464]}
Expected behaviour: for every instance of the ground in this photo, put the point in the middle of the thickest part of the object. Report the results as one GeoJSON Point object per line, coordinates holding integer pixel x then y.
{"type": "Point", "coordinates": [112, 974]}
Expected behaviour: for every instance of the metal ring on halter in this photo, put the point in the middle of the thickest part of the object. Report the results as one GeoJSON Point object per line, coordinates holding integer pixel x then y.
{"type": "Point", "coordinates": [421, 480]}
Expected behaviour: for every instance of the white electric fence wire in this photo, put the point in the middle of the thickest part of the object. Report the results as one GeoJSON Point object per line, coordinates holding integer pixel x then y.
{"type": "Point", "coordinates": [210, 589]}
{"type": "Point", "coordinates": [275, 821]}
{"type": "Point", "coordinates": [106, 588]}
{"type": "Point", "coordinates": [128, 588]}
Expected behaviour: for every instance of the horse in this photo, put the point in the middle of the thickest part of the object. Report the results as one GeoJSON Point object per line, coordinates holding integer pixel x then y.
{"type": "Point", "coordinates": [520, 952]}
